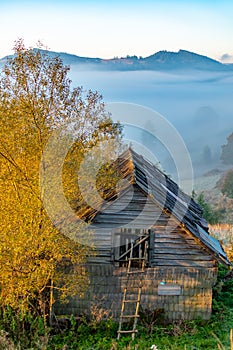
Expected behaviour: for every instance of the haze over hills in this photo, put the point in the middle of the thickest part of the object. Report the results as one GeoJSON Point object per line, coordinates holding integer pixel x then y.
{"type": "Point", "coordinates": [192, 92]}
{"type": "Point", "coordinates": [162, 60]}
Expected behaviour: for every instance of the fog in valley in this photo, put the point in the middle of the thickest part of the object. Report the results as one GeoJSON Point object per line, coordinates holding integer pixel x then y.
{"type": "Point", "coordinates": [199, 104]}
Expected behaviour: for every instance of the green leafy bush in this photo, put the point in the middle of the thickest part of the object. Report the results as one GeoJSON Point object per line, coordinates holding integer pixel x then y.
{"type": "Point", "coordinates": [212, 216]}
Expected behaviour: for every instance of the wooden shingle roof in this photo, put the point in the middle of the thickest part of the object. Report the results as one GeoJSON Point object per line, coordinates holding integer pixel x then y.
{"type": "Point", "coordinates": [167, 195]}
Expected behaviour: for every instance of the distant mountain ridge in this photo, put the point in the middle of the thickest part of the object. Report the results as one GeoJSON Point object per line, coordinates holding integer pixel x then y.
{"type": "Point", "coordinates": [162, 60]}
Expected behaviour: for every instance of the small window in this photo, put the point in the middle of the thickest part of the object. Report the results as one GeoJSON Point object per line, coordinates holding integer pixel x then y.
{"type": "Point", "coordinates": [123, 242]}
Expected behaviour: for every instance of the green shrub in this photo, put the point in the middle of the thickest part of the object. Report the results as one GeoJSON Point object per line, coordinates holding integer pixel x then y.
{"type": "Point", "coordinates": [212, 216]}
{"type": "Point", "coordinates": [227, 185]}
{"type": "Point", "coordinates": [25, 329]}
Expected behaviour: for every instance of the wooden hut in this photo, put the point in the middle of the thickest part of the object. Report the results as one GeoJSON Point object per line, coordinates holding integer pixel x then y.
{"type": "Point", "coordinates": [149, 219]}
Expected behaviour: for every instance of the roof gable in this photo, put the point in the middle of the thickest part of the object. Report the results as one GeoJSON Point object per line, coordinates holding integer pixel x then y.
{"type": "Point", "coordinates": [166, 194]}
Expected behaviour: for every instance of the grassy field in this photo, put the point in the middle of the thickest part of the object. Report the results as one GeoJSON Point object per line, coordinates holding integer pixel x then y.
{"type": "Point", "coordinates": [193, 335]}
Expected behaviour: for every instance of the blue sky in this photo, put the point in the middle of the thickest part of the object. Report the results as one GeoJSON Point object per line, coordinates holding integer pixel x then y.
{"type": "Point", "coordinates": [117, 28]}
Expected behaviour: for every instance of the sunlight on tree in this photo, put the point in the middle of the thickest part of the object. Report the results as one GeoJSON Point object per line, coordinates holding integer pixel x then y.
{"type": "Point", "coordinates": [35, 99]}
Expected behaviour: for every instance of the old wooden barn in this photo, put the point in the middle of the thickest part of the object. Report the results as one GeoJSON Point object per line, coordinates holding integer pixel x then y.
{"type": "Point", "coordinates": [159, 231]}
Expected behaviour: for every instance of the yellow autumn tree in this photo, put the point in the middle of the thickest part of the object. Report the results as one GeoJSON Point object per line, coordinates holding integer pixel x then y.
{"type": "Point", "coordinates": [36, 255]}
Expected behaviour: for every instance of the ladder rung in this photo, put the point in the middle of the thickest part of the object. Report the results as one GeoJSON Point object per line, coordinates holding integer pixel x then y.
{"type": "Point", "coordinates": [131, 331]}
{"type": "Point", "coordinates": [131, 272]}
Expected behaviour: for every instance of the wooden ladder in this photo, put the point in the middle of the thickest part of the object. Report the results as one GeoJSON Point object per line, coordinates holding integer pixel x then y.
{"type": "Point", "coordinates": [126, 299]}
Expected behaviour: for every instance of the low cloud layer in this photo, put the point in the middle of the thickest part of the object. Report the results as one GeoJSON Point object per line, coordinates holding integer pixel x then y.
{"type": "Point", "coordinates": [226, 58]}
{"type": "Point", "coordinates": [197, 103]}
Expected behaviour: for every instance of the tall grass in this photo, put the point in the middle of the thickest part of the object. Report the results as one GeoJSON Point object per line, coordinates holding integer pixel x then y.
{"type": "Point", "coordinates": [221, 346]}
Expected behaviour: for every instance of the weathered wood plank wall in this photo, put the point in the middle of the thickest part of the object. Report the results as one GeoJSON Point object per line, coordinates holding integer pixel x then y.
{"type": "Point", "coordinates": [107, 283]}
{"type": "Point", "coordinates": [177, 258]}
